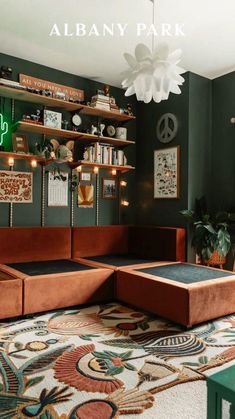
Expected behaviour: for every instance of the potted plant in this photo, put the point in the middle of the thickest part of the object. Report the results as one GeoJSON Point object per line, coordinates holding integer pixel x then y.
{"type": "Point", "coordinates": [211, 238]}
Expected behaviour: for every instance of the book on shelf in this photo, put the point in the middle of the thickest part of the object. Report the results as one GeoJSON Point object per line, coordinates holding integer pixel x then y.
{"type": "Point", "coordinates": [104, 154]}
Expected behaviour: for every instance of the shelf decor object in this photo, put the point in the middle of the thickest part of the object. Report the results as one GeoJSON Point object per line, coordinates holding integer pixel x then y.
{"type": "Point", "coordinates": [166, 172]}
{"type": "Point", "coordinates": [153, 74]}
{"type": "Point", "coordinates": [4, 128]}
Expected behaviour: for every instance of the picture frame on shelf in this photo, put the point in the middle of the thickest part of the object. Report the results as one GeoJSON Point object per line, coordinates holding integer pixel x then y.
{"type": "Point", "coordinates": [20, 143]}
{"type": "Point", "coordinates": [109, 188]}
{"type": "Point", "coordinates": [167, 173]}
{"type": "Point", "coordinates": [85, 176]}
{"type": "Point", "coordinates": [52, 119]}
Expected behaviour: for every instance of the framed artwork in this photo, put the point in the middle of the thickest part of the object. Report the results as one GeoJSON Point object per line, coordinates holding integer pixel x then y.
{"type": "Point", "coordinates": [20, 143]}
{"type": "Point", "coordinates": [166, 173]}
{"type": "Point", "coordinates": [16, 187]}
{"type": "Point", "coordinates": [52, 119]}
{"type": "Point", "coordinates": [85, 176]}
{"type": "Point", "coordinates": [109, 188]}
{"type": "Point", "coordinates": [85, 196]}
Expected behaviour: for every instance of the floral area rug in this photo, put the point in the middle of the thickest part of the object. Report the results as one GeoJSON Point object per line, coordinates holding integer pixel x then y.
{"type": "Point", "coordinates": [106, 361]}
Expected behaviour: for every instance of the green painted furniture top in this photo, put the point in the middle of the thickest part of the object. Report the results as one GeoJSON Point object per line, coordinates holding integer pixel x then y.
{"type": "Point", "coordinates": [224, 380]}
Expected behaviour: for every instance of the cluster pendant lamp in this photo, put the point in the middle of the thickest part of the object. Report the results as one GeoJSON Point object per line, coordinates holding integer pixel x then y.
{"type": "Point", "coordinates": [153, 74]}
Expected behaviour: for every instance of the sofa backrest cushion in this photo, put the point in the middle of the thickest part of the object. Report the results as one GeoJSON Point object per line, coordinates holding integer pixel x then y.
{"type": "Point", "coordinates": [26, 244]}
{"type": "Point", "coordinates": [97, 241]}
{"type": "Point", "coordinates": [162, 243]}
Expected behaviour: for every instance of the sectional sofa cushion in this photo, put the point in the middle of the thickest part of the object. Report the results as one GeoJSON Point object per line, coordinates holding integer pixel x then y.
{"type": "Point", "coordinates": [25, 244]}
{"type": "Point", "coordinates": [11, 296]}
{"type": "Point", "coordinates": [47, 292]}
{"type": "Point", "coordinates": [184, 293]}
{"type": "Point", "coordinates": [48, 267]}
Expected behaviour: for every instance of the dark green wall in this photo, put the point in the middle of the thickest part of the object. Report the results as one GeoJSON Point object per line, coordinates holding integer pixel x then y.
{"type": "Point", "coordinates": [193, 111]}
{"type": "Point", "coordinates": [30, 214]}
{"type": "Point", "coordinates": [223, 143]}
{"type": "Point", "coordinates": [161, 211]}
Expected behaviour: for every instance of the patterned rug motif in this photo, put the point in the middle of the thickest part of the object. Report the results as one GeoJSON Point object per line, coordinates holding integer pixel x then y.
{"type": "Point", "coordinates": [102, 362]}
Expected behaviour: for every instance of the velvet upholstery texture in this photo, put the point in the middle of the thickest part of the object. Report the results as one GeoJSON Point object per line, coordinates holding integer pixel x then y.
{"type": "Point", "coordinates": [25, 244]}
{"type": "Point", "coordinates": [102, 240]}
{"type": "Point", "coordinates": [187, 304]}
{"type": "Point", "coordinates": [11, 293]}
{"type": "Point", "coordinates": [46, 292]}
{"type": "Point", "coordinates": [159, 243]}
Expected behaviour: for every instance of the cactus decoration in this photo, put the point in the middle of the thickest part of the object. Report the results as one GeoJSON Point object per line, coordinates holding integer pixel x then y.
{"type": "Point", "coordinates": [3, 129]}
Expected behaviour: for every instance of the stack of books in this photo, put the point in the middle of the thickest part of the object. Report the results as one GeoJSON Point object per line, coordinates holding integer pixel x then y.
{"type": "Point", "coordinates": [113, 106]}
{"type": "Point", "coordinates": [100, 101]}
{"type": "Point", "coordinates": [104, 154]}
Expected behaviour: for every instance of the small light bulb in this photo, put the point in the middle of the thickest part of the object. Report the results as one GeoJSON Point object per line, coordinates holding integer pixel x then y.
{"type": "Point", "coordinates": [114, 172]}
{"type": "Point", "coordinates": [96, 170]}
{"type": "Point", "coordinates": [34, 163]}
{"type": "Point", "coordinates": [79, 168]}
{"type": "Point", "coordinates": [123, 183]}
{"type": "Point", "coordinates": [11, 162]}
{"type": "Point", "coordinates": [124, 203]}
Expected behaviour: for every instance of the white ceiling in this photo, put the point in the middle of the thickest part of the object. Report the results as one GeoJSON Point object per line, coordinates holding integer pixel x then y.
{"type": "Point", "coordinates": [208, 45]}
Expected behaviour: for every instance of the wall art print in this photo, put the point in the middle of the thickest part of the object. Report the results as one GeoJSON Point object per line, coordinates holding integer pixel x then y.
{"type": "Point", "coordinates": [85, 196]}
{"type": "Point", "coordinates": [166, 172]}
{"type": "Point", "coordinates": [16, 187]}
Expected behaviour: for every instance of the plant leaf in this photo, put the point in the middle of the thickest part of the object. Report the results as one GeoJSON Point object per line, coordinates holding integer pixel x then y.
{"type": "Point", "coordinates": [33, 381]}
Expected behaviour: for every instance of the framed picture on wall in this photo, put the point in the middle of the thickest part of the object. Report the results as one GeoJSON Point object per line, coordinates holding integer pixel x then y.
{"type": "Point", "coordinates": [20, 143]}
{"type": "Point", "coordinates": [167, 173]}
{"type": "Point", "coordinates": [85, 176]}
{"type": "Point", "coordinates": [109, 188]}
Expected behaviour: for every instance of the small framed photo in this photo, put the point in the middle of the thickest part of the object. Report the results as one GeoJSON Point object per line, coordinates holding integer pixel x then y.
{"type": "Point", "coordinates": [109, 188]}
{"type": "Point", "coordinates": [85, 176]}
{"type": "Point", "coordinates": [52, 119]}
{"type": "Point", "coordinates": [20, 143]}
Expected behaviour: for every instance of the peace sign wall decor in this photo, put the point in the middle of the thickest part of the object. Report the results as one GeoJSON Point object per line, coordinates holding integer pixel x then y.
{"type": "Point", "coordinates": [167, 128]}
{"type": "Point", "coordinates": [166, 172]}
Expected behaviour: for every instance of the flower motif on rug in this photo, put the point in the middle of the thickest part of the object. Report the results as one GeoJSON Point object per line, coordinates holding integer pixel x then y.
{"type": "Point", "coordinates": [82, 369]}
{"type": "Point", "coordinates": [120, 402]}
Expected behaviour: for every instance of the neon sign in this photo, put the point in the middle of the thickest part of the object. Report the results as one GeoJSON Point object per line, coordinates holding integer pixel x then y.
{"type": "Point", "coordinates": [3, 128]}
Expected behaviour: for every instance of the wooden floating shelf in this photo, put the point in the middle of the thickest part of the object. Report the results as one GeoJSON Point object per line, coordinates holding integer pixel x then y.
{"type": "Point", "coordinates": [26, 96]}
{"type": "Point", "coordinates": [89, 110]}
{"type": "Point", "coordinates": [85, 163]}
{"type": "Point", "coordinates": [42, 129]}
{"type": "Point", "coordinates": [107, 140]}
{"type": "Point", "coordinates": [73, 135]}
{"type": "Point", "coordinates": [19, 156]}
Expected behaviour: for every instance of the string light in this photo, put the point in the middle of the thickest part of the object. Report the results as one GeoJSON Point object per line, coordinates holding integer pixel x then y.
{"type": "Point", "coordinates": [123, 183]}
{"type": "Point", "coordinates": [96, 170]}
{"type": "Point", "coordinates": [125, 203]}
{"type": "Point", "coordinates": [79, 169]}
{"type": "Point", "coordinates": [11, 162]}
{"type": "Point", "coordinates": [114, 172]}
{"type": "Point", "coordinates": [34, 163]}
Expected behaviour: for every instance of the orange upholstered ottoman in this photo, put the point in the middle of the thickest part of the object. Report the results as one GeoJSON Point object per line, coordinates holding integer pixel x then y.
{"type": "Point", "coordinates": [185, 293]}
{"type": "Point", "coordinates": [11, 291]}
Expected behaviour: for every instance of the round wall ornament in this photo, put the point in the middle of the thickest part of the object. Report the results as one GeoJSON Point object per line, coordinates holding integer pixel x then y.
{"type": "Point", "coordinates": [167, 128]}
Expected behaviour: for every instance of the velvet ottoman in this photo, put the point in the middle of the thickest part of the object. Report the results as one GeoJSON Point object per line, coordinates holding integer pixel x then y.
{"type": "Point", "coordinates": [185, 293]}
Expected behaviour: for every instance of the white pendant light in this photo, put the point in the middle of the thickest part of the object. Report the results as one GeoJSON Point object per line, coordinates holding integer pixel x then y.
{"type": "Point", "coordinates": [153, 75]}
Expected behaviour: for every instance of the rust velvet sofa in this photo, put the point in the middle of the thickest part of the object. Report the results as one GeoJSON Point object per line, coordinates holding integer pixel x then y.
{"type": "Point", "coordinates": [118, 246]}
{"type": "Point", "coordinates": [43, 268]}
{"type": "Point", "coordinates": [37, 273]}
